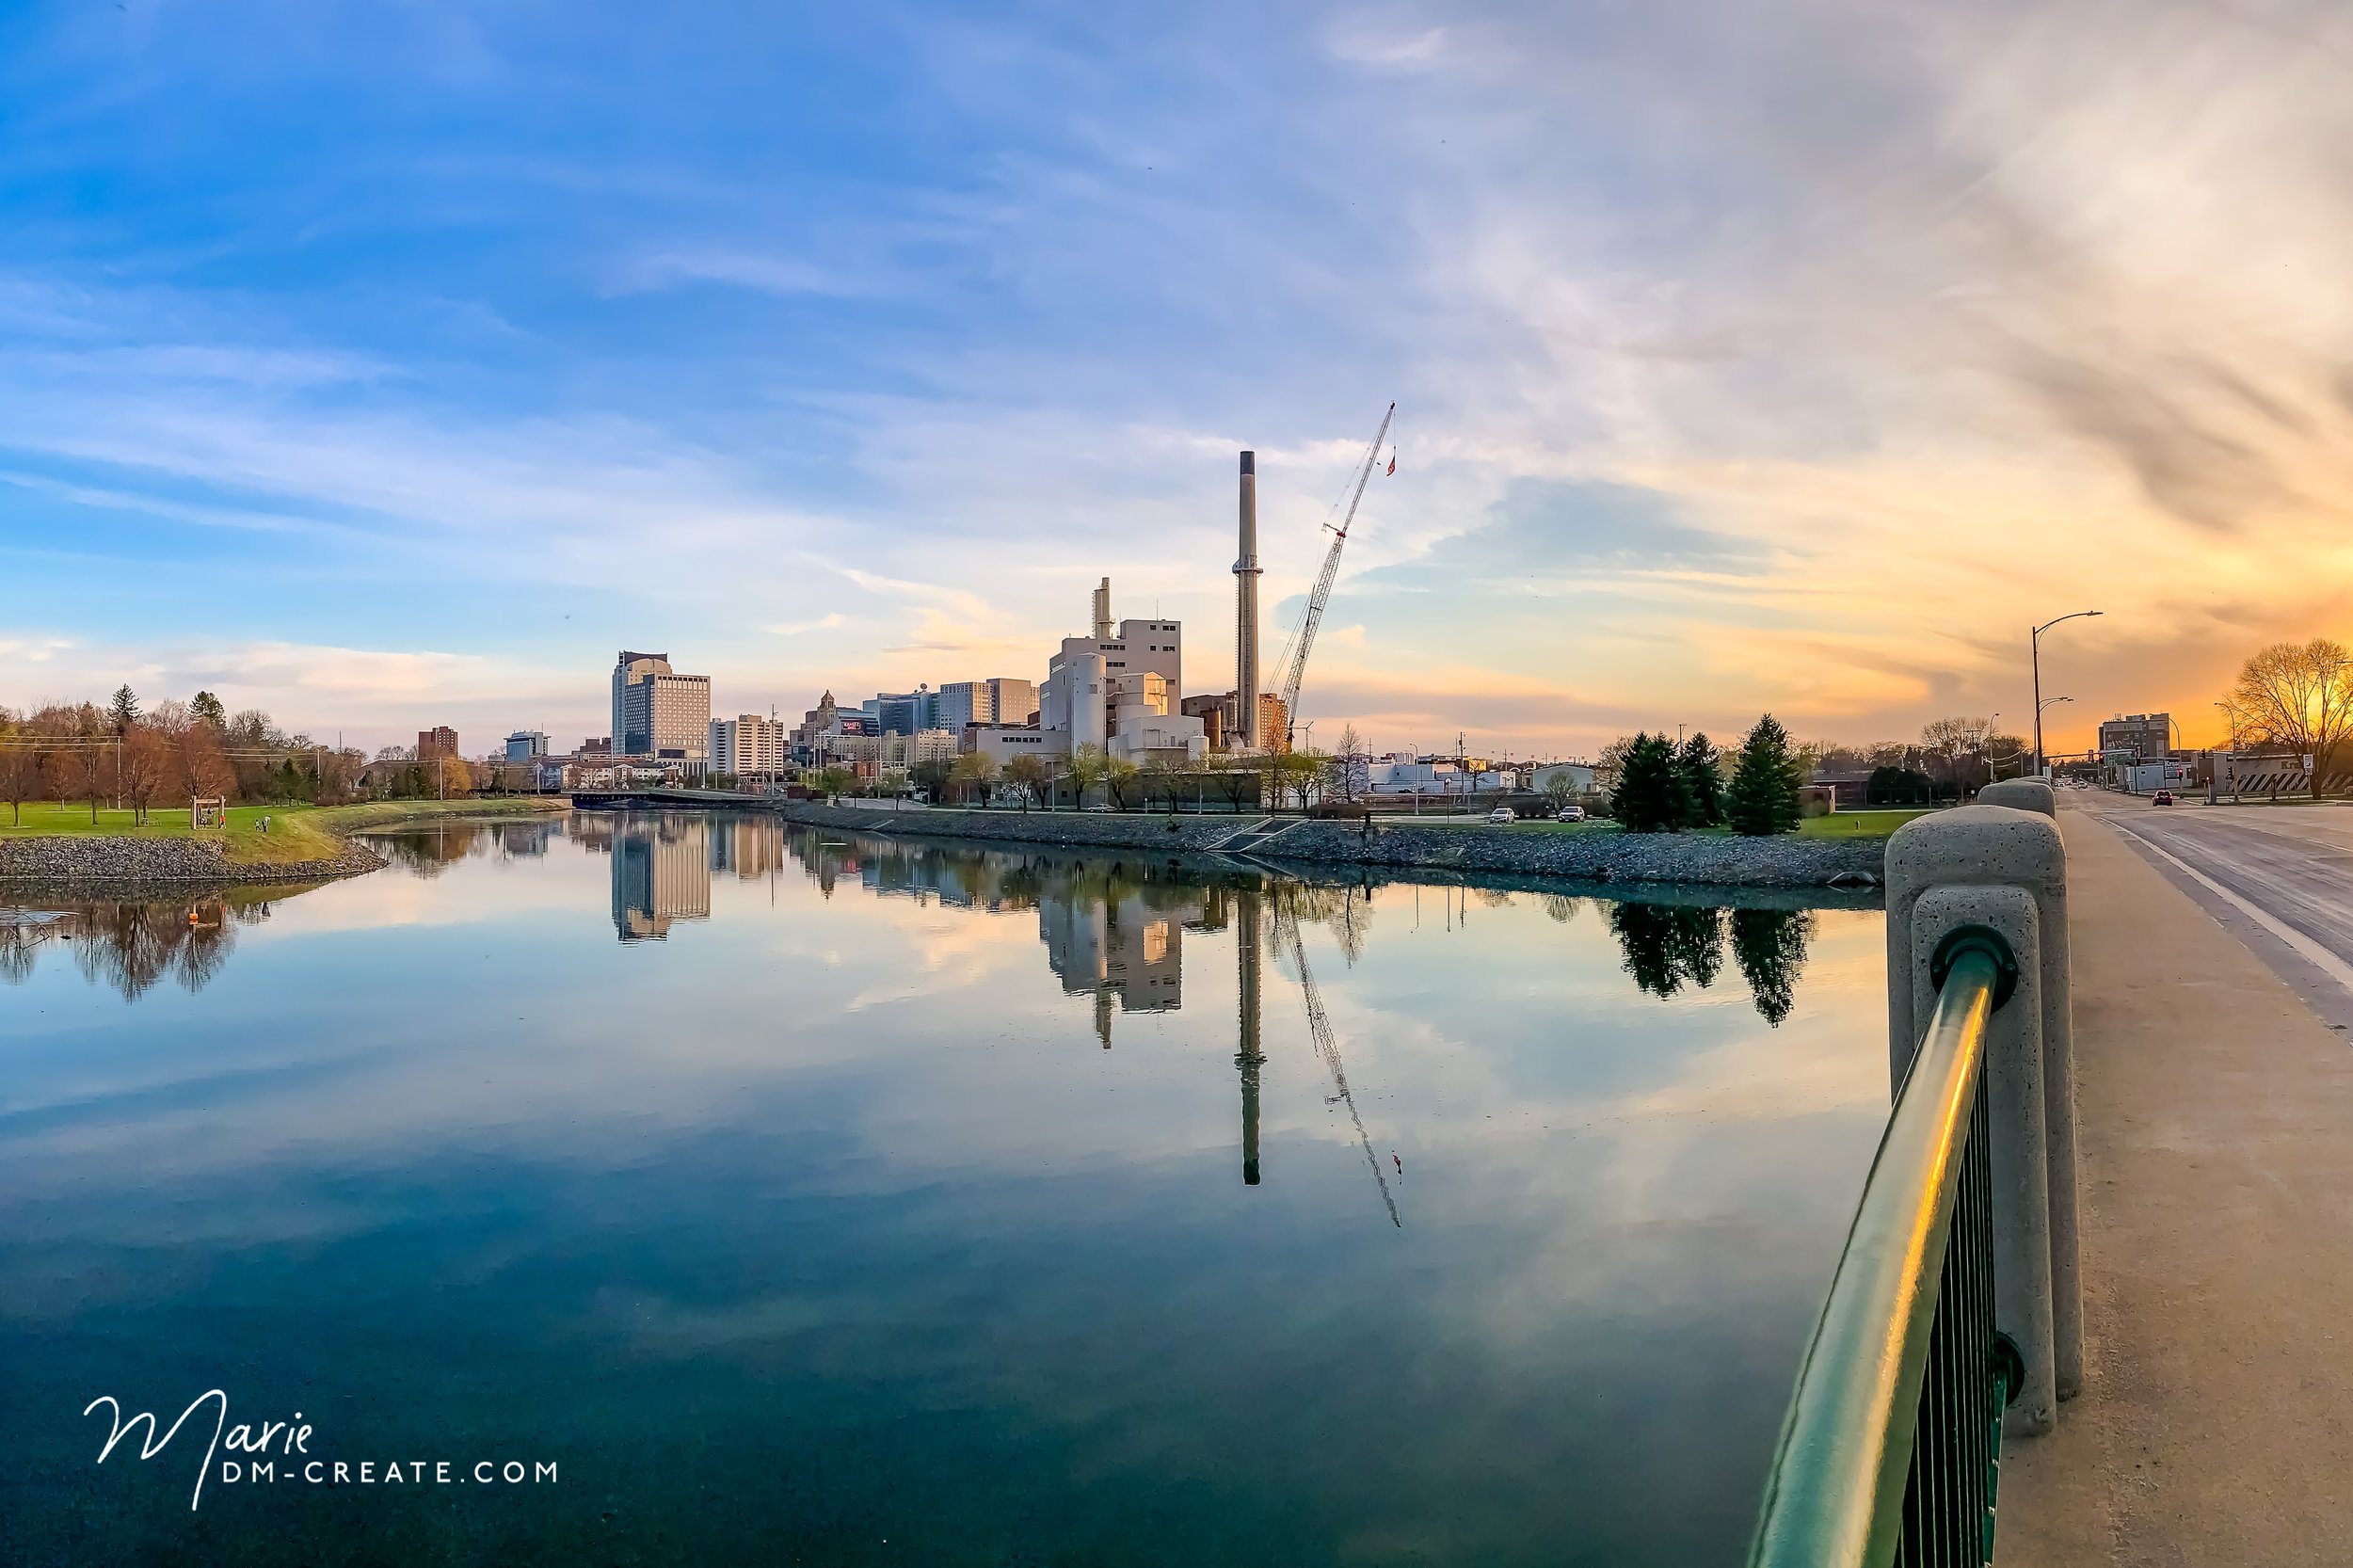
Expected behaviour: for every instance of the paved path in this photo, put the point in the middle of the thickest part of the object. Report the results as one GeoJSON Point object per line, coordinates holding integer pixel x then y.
{"type": "Point", "coordinates": [2214, 1114]}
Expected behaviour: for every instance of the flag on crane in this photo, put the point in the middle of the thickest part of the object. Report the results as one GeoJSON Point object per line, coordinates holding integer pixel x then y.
{"type": "Point", "coordinates": [1392, 463]}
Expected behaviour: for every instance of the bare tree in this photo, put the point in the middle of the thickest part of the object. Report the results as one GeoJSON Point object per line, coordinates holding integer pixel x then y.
{"type": "Point", "coordinates": [2297, 696]}
{"type": "Point", "coordinates": [147, 763]}
{"type": "Point", "coordinates": [19, 777]}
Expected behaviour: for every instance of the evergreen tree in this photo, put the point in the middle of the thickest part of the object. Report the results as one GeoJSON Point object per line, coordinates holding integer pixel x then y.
{"type": "Point", "coordinates": [205, 709]}
{"type": "Point", "coordinates": [1703, 783]}
{"type": "Point", "coordinates": [1650, 796]}
{"type": "Point", "coordinates": [125, 709]}
{"type": "Point", "coordinates": [1764, 784]}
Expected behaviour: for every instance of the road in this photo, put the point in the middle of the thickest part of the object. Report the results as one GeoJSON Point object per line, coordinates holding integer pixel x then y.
{"type": "Point", "coordinates": [2278, 877]}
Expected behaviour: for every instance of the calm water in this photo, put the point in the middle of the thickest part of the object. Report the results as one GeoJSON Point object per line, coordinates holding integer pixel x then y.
{"type": "Point", "coordinates": [808, 1199]}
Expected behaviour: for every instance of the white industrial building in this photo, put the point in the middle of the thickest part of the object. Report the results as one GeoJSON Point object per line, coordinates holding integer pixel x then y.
{"type": "Point", "coordinates": [1401, 773]}
{"type": "Point", "coordinates": [1119, 690]}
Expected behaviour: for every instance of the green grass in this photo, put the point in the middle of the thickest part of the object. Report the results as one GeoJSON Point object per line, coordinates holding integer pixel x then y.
{"type": "Point", "coordinates": [295, 832]}
{"type": "Point", "coordinates": [1857, 824]}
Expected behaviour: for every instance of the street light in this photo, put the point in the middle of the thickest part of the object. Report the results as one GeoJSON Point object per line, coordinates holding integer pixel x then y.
{"type": "Point", "coordinates": [2034, 655]}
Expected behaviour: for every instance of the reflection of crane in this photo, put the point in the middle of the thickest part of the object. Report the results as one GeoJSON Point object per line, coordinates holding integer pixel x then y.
{"type": "Point", "coordinates": [1287, 930]}
{"type": "Point", "coordinates": [1303, 638]}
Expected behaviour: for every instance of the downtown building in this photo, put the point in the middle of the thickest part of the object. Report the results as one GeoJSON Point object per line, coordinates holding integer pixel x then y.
{"type": "Point", "coordinates": [748, 744]}
{"type": "Point", "coordinates": [658, 712]}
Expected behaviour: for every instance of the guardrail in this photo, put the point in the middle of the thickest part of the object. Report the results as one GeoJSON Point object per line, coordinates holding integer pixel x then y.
{"type": "Point", "coordinates": [1950, 1320]}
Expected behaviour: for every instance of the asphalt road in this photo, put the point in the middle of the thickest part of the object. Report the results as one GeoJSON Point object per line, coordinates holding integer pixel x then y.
{"type": "Point", "coordinates": [2279, 877]}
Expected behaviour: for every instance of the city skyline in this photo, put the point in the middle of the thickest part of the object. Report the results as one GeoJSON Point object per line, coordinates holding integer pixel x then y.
{"type": "Point", "coordinates": [350, 361]}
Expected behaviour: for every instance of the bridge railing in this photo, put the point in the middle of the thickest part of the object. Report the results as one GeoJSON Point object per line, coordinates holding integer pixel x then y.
{"type": "Point", "coordinates": [1944, 1326]}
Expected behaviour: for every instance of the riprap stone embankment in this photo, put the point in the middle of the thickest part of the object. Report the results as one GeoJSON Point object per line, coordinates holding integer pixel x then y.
{"type": "Point", "coordinates": [1593, 857]}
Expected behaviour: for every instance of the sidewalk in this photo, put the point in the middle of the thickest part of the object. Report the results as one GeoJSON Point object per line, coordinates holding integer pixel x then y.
{"type": "Point", "coordinates": [2214, 1117]}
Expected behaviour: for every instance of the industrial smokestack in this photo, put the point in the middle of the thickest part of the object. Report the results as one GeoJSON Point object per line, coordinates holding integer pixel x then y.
{"type": "Point", "coordinates": [1247, 734]}
{"type": "Point", "coordinates": [1103, 611]}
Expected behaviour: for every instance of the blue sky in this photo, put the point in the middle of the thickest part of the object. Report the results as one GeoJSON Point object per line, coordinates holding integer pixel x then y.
{"type": "Point", "coordinates": [384, 366]}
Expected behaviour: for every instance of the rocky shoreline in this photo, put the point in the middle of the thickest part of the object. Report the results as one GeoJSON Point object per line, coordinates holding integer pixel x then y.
{"type": "Point", "coordinates": [65, 861]}
{"type": "Point", "coordinates": [1602, 856]}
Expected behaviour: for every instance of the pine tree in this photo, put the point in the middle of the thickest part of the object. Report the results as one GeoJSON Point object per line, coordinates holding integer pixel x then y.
{"type": "Point", "coordinates": [1651, 797]}
{"type": "Point", "coordinates": [125, 709]}
{"type": "Point", "coordinates": [1764, 784]}
{"type": "Point", "coordinates": [1703, 783]}
{"type": "Point", "coordinates": [205, 708]}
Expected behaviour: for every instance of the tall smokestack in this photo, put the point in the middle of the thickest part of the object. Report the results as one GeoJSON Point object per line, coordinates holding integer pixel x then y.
{"type": "Point", "coordinates": [1247, 734]}
{"type": "Point", "coordinates": [1103, 611]}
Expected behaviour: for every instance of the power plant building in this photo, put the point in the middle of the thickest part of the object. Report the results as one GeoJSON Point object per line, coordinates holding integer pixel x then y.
{"type": "Point", "coordinates": [1119, 690]}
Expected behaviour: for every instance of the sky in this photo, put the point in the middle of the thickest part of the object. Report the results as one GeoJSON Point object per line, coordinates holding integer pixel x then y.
{"type": "Point", "coordinates": [385, 366]}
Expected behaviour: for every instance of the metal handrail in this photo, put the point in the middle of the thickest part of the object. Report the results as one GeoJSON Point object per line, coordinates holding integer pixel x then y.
{"type": "Point", "coordinates": [1837, 1493]}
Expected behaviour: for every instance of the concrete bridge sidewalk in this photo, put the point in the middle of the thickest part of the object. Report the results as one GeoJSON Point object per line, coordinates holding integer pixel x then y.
{"type": "Point", "coordinates": [2215, 1116]}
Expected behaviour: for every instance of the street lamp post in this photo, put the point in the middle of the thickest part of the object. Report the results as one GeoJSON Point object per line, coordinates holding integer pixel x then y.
{"type": "Point", "coordinates": [2040, 704]}
{"type": "Point", "coordinates": [2034, 656]}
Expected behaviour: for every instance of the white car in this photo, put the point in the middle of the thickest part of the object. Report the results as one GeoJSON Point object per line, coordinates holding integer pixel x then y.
{"type": "Point", "coordinates": [1503, 815]}
{"type": "Point", "coordinates": [1571, 813]}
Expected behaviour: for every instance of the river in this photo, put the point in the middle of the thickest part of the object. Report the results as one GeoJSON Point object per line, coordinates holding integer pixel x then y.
{"type": "Point", "coordinates": [756, 1193]}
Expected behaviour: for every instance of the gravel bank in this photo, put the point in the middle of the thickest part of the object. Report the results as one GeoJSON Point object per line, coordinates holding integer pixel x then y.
{"type": "Point", "coordinates": [1729, 862]}
{"type": "Point", "coordinates": [116, 862]}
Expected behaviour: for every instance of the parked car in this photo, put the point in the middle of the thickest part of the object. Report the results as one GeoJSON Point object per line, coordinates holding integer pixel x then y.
{"type": "Point", "coordinates": [2163, 797]}
{"type": "Point", "coordinates": [1503, 815]}
{"type": "Point", "coordinates": [1571, 813]}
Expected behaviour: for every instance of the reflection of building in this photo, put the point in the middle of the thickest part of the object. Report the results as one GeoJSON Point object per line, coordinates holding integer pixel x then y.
{"type": "Point", "coordinates": [661, 874]}
{"type": "Point", "coordinates": [1117, 948]}
{"type": "Point", "coordinates": [749, 846]}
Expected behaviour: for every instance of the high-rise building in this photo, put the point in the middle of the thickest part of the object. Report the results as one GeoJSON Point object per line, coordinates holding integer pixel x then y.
{"type": "Point", "coordinates": [525, 744]}
{"type": "Point", "coordinates": [1000, 699]}
{"type": "Point", "coordinates": [658, 712]}
{"type": "Point", "coordinates": [2147, 736]}
{"type": "Point", "coordinates": [748, 743]}
{"type": "Point", "coordinates": [626, 671]}
{"type": "Point", "coordinates": [441, 741]}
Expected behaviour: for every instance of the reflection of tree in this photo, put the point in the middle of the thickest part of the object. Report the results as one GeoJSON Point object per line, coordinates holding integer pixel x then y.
{"type": "Point", "coordinates": [1769, 947]}
{"type": "Point", "coordinates": [131, 944]}
{"type": "Point", "coordinates": [1560, 907]}
{"type": "Point", "coordinates": [1667, 944]}
{"type": "Point", "coordinates": [429, 852]}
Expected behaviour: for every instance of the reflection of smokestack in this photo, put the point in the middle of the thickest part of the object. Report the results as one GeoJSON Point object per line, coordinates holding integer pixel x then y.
{"type": "Point", "coordinates": [1103, 611]}
{"type": "Point", "coordinates": [1247, 1057]}
{"type": "Point", "coordinates": [1247, 734]}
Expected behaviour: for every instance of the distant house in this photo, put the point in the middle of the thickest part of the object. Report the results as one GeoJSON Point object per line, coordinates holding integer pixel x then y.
{"type": "Point", "coordinates": [1849, 788]}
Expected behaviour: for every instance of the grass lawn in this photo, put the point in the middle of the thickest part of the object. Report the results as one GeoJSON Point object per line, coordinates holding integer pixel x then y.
{"type": "Point", "coordinates": [1857, 824]}
{"type": "Point", "coordinates": [295, 832]}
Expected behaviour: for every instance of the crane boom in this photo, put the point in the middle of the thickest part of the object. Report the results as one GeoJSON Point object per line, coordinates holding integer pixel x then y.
{"type": "Point", "coordinates": [1304, 639]}
{"type": "Point", "coordinates": [1286, 927]}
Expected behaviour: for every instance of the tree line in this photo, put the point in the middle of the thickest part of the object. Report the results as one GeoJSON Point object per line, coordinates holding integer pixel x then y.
{"type": "Point", "coordinates": [176, 752]}
{"type": "Point", "coordinates": [1661, 786]}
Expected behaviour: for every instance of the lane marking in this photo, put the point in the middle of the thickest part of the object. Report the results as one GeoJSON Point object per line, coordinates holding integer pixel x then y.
{"type": "Point", "coordinates": [2311, 952]}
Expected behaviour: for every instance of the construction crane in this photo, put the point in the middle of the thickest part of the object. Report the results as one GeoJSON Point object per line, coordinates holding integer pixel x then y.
{"type": "Point", "coordinates": [1287, 930]}
{"type": "Point", "coordinates": [1303, 637]}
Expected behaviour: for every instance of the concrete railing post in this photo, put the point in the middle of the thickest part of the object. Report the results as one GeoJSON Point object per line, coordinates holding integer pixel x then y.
{"type": "Point", "coordinates": [2058, 1073]}
{"type": "Point", "coordinates": [2005, 867]}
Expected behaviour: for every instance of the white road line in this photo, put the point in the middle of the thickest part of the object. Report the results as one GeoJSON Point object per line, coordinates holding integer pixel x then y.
{"type": "Point", "coordinates": [2312, 952]}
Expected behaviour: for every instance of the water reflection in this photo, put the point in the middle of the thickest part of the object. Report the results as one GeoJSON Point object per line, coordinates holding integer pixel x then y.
{"type": "Point", "coordinates": [1669, 946]}
{"type": "Point", "coordinates": [132, 945]}
{"type": "Point", "coordinates": [834, 1197]}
